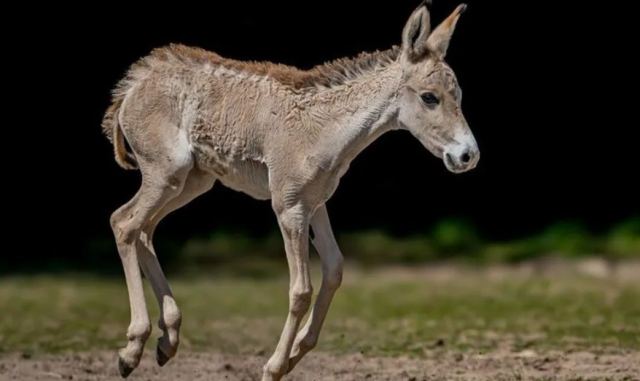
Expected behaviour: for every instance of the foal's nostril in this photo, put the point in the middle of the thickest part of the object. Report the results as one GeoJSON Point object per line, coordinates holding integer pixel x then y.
{"type": "Point", "coordinates": [465, 158]}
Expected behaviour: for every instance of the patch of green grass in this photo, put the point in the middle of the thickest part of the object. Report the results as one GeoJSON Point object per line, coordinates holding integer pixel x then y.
{"type": "Point", "coordinates": [381, 312]}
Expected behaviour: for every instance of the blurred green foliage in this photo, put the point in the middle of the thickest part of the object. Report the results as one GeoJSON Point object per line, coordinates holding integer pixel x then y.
{"type": "Point", "coordinates": [453, 236]}
{"type": "Point", "coordinates": [624, 239]}
{"type": "Point", "coordinates": [451, 239]}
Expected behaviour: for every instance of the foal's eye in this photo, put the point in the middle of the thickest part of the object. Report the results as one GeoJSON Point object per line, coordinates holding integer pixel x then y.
{"type": "Point", "coordinates": [430, 99]}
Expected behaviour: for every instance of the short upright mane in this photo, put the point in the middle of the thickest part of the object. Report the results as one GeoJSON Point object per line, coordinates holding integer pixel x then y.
{"type": "Point", "coordinates": [332, 73]}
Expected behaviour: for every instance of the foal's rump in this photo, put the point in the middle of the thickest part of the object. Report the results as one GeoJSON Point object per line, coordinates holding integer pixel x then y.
{"type": "Point", "coordinates": [146, 111]}
{"type": "Point", "coordinates": [179, 105]}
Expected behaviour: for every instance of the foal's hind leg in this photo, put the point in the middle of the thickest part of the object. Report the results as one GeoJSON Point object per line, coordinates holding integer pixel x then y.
{"type": "Point", "coordinates": [197, 183]}
{"type": "Point", "coordinates": [161, 181]}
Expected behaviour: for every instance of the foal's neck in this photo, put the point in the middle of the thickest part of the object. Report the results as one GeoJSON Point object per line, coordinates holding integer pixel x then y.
{"type": "Point", "coordinates": [360, 112]}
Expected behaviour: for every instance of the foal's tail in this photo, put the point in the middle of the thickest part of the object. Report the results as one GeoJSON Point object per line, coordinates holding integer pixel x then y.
{"type": "Point", "coordinates": [113, 132]}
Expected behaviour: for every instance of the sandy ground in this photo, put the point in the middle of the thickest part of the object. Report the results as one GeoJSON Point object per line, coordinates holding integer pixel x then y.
{"type": "Point", "coordinates": [525, 365]}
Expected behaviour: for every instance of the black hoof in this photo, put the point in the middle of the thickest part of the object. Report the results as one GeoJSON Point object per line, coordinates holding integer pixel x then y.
{"type": "Point", "coordinates": [161, 358]}
{"type": "Point", "coordinates": [125, 370]}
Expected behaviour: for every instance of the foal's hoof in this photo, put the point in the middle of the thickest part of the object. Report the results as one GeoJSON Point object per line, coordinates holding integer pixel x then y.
{"type": "Point", "coordinates": [161, 358]}
{"type": "Point", "coordinates": [125, 370]}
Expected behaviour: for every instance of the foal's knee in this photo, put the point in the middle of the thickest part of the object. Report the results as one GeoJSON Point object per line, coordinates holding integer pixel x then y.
{"type": "Point", "coordinates": [300, 300]}
{"type": "Point", "coordinates": [124, 232]}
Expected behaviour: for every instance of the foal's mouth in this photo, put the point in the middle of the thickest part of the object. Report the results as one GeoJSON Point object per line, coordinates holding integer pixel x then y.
{"type": "Point", "coordinates": [451, 164]}
{"type": "Point", "coordinates": [455, 167]}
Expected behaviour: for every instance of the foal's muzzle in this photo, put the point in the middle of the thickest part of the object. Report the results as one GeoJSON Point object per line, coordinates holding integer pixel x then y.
{"type": "Point", "coordinates": [461, 157]}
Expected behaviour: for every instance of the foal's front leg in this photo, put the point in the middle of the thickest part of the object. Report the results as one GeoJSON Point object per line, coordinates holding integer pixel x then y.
{"type": "Point", "coordinates": [331, 257]}
{"type": "Point", "coordinates": [294, 224]}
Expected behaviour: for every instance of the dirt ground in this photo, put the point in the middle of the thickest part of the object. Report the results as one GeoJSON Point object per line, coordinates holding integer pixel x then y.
{"type": "Point", "coordinates": [526, 365]}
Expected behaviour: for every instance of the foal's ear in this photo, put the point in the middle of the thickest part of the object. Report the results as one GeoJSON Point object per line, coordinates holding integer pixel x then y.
{"type": "Point", "coordinates": [416, 32]}
{"type": "Point", "coordinates": [438, 41]}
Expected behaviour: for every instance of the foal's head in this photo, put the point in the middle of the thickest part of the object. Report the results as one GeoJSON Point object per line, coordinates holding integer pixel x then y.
{"type": "Point", "coordinates": [429, 97]}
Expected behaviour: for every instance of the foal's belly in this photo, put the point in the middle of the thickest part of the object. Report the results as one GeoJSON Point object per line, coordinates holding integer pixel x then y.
{"type": "Point", "coordinates": [243, 174]}
{"type": "Point", "coordinates": [250, 177]}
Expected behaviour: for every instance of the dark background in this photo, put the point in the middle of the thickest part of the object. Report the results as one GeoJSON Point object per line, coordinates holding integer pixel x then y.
{"type": "Point", "coordinates": [556, 139]}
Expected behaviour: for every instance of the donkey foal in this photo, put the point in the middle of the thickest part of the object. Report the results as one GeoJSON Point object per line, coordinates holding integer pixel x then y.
{"type": "Point", "coordinates": [273, 132]}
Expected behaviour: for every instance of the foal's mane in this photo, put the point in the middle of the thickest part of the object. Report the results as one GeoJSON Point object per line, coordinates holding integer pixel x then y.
{"type": "Point", "coordinates": [329, 74]}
